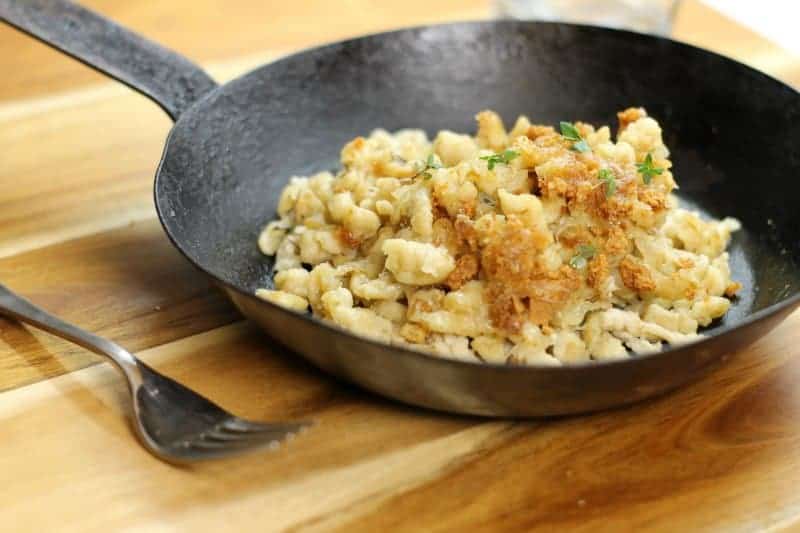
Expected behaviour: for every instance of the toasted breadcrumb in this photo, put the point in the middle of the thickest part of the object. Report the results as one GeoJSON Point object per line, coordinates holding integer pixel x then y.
{"type": "Point", "coordinates": [467, 267]}
{"type": "Point", "coordinates": [598, 271]}
{"type": "Point", "coordinates": [732, 288]}
{"type": "Point", "coordinates": [635, 275]}
{"type": "Point", "coordinates": [628, 116]}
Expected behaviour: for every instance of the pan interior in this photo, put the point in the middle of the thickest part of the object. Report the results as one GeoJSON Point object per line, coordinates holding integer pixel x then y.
{"type": "Point", "coordinates": [732, 131]}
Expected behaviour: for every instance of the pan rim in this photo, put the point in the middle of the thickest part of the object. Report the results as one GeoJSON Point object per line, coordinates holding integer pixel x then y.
{"type": "Point", "coordinates": [788, 302]}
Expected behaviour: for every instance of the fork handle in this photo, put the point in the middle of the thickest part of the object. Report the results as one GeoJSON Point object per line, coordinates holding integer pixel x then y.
{"type": "Point", "coordinates": [24, 311]}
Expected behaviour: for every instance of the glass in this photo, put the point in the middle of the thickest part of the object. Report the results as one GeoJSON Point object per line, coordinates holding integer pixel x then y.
{"type": "Point", "coordinates": [647, 16]}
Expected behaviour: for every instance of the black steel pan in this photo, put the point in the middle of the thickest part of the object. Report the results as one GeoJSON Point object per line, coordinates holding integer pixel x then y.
{"type": "Point", "coordinates": [734, 134]}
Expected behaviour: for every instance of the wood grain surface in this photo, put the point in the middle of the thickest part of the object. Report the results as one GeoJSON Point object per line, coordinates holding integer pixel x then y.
{"type": "Point", "coordinates": [78, 236]}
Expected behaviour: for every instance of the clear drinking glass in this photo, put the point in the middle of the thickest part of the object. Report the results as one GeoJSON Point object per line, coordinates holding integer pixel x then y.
{"type": "Point", "coordinates": [647, 16]}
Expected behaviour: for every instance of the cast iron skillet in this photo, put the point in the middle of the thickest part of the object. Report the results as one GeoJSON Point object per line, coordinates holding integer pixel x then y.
{"type": "Point", "coordinates": [733, 133]}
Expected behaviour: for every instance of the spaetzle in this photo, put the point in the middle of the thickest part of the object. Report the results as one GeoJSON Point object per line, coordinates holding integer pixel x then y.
{"type": "Point", "coordinates": [528, 246]}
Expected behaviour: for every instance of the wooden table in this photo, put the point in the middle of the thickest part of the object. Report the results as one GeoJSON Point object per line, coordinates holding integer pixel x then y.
{"type": "Point", "coordinates": [78, 236]}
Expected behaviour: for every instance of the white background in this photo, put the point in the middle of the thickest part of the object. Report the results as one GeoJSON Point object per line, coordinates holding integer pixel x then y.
{"type": "Point", "coordinates": [777, 20]}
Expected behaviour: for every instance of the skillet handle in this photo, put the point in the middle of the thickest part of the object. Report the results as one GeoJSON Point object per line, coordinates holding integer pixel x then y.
{"type": "Point", "coordinates": [167, 78]}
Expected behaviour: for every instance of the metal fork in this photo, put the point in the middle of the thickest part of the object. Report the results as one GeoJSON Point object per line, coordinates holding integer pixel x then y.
{"type": "Point", "coordinates": [174, 423]}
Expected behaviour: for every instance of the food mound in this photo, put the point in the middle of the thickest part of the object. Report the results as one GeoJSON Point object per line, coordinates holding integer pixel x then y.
{"type": "Point", "coordinates": [529, 246]}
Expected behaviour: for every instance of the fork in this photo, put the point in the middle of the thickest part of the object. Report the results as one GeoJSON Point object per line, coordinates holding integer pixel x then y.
{"type": "Point", "coordinates": [173, 422]}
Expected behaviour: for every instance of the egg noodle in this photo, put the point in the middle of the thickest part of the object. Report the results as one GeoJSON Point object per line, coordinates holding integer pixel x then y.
{"type": "Point", "coordinates": [537, 245]}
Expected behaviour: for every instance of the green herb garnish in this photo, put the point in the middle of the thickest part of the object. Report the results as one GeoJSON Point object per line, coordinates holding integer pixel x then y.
{"type": "Point", "coordinates": [610, 180]}
{"type": "Point", "coordinates": [580, 260]}
{"type": "Point", "coordinates": [429, 164]}
{"type": "Point", "coordinates": [570, 133]}
{"type": "Point", "coordinates": [504, 158]}
{"type": "Point", "coordinates": [647, 170]}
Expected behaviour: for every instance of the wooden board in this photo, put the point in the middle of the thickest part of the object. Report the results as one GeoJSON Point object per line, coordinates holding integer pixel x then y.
{"type": "Point", "coordinates": [80, 239]}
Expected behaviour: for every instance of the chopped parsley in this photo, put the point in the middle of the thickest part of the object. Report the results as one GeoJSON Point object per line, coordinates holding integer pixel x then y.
{"type": "Point", "coordinates": [504, 158]}
{"type": "Point", "coordinates": [607, 176]}
{"type": "Point", "coordinates": [581, 259]}
{"type": "Point", "coordinates": [647, 170]}
{"type": "Point", "coordinates": [570, 133]}
{"type": "Point", "coordinates": [429, 164]}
